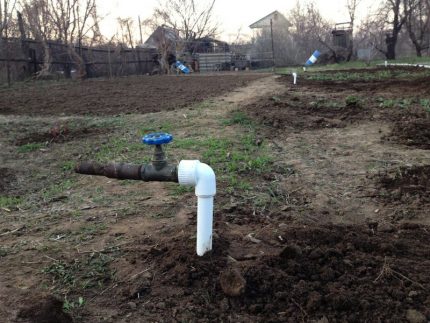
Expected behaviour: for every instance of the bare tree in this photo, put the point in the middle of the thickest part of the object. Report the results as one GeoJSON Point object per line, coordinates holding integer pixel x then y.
{"type": "Point", "coordinates": [394, 14]}
{"type": "Point", "coordinates": [352, 6]}
{"type": "Point", "coordinates": [41, 28]}
{"type": "Point", "coordinates": [191, 19]}
{"type": "Point", "coordinates": [125, 35]}
{"type": "Point", "coordinates": [310, 30]}
{"type": "Point", "coordinates": [417, 23]}
{"type": "Point", "coordinates": [74, 20]}
{"type": "Point", "coordinates": [70, 22]}
{"type": "Point", "coordinates": [6, 9]}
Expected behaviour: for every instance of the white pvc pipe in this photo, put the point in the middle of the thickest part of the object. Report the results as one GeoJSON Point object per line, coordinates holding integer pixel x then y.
{"type": "Point", "coordinates": [295, 78]}
{"type": "Point", "coordinates": [200, 175]}
{"type": "Point", "coordinates": [205, 207]}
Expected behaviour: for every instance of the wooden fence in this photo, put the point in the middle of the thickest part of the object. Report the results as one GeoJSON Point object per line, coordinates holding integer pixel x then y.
{"type": "Point", "coordinates": [20, 60]}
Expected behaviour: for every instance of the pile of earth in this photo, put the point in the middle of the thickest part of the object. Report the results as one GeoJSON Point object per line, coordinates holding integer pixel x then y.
{"type": "Point", "coordinates": [330, 273]}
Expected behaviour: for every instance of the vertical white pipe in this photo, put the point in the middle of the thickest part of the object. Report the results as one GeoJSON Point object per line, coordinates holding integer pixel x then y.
{"type": "Point", "coordinates": [204, 224]}
{"type": "Point", "coordinates": [200, 175]}
{"type": "Point", "coordinates": [295, 78]}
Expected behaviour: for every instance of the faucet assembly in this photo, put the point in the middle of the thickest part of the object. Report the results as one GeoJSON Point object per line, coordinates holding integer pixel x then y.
{"type": "Point", "coordinates": [188, 172]}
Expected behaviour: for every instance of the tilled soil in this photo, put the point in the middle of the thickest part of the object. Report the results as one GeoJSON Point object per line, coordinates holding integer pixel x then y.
{"type": "Point", "coordinates": [117, 96]}
{"type": "Point", "coordinates": [406, 185]}
{"type": "Point", "coordinates": [7, 179]}
{"type": "Point", "coordinates": [334, 273]}
{"type": "Point", "coordinates": [275, 264]}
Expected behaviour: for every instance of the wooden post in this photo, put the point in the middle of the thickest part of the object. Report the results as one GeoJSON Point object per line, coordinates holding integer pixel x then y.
{"type": "Point", "coordinates": [273, 45]}
{"type": "Point", "coordinates": [7, 55]}
{"type": "Point", "coordinates": [109, 62]}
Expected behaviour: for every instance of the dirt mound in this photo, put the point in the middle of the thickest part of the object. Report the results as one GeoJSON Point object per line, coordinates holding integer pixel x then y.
{"type": "Point", "coordinates": [342, 273]}
{"type": "Point", "coordinates": [302, 113]}
{"type": "Point", "coordinates": [59, 134]}
{"type": "Point", "coordinates": [406, 185]}
{"type": "Point", "coordinates": [412, 131]}
{"type": "Point", "coordinates": [7, 178]}
{"type": "Point", "coordinates": [44, 310]}
{"type": "Point", "coordinates": [30, 306]}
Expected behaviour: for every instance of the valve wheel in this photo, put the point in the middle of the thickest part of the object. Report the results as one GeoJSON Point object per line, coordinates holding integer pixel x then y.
{"type": "Point", "coordinates": [157, 138]}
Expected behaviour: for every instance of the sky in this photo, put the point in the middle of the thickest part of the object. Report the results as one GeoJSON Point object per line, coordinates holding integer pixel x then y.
{"type": "Point", "coordinates": [233, 15]}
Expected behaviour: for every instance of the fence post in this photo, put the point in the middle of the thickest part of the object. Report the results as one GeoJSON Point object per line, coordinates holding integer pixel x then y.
{"type": "Point", "coordinates": [109, 62]}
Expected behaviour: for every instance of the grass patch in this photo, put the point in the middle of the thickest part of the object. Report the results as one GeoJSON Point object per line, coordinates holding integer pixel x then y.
{"type": "Point", "coordinates": [178, 190]}
{"type": "Point", "coordinates": [238, 118]}
{"type": "Point", "coordinates": [425, 103]}
{"type": "Point", "coordinates": [152, 126]}
{"type": "Point", "coordinates": [9, 201]}
{"type": "Point", "coordinates": [30, 147]}
{"type": "Point", "coordinates": [121, 150]}
{"type": "Point", "coordinates": [68, 165]}
{"type": "Point", "coordinates": [90, 272]}
{"type": "Point", "coordinates": [352, 101]}
{"type": "Point", "coordinates": [57, 189]}
{"type": "Point", "coordinates": [404, 103]}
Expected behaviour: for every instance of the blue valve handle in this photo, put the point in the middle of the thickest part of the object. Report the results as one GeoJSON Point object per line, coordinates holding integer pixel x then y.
{"type": "Point", "coordinates": [157, 138]}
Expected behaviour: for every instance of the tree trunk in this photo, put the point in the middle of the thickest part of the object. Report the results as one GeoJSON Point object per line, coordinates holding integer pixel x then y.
{"type": "Point", "coordinates": [44, 72]}
{"type": "Point", "coordinates": [24, 45]}
{"type": "Point", "coordinates": [79, 61]}
{"type": "Point", "coordinates": [391, 42]}
{"type": "Point", "coordinates": [418, 50]}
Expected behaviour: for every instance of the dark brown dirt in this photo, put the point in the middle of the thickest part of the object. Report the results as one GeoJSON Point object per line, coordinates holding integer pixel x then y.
{"type": "Point", "coordinates": [44, 310]}
{"type": "Point", "coordinates": [406, 185]}
{"type": "Point", "coordinates": [295, 113]}
{"type": "Point", "coordinates": [121, 95]}
{"type": "Point", "coordinates": [59, 134]}
{"type": "Point", "coordinates": [337, 104]}
{"type": "Point", "coordinates": [342, 273]}
{"type": "Point", "coordinates": [7, 178]}
{"type": "Point", "coordinates": [282, 272]}
{"type": "Point", "coordinates": [412, 131]}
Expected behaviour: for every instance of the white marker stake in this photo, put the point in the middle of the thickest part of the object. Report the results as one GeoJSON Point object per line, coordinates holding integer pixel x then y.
{"type": "Point", "coordinates": [295, 78]}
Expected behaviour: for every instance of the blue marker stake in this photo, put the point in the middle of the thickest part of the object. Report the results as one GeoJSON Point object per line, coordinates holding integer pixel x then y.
{"type": "Point", "coordinates": [182, 67]}
{"type": "Point", "coordinates": [313, 58]}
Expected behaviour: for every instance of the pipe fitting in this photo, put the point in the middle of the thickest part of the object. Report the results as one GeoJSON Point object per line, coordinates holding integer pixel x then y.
{"type": "Point", "coordinates": [200, 175]}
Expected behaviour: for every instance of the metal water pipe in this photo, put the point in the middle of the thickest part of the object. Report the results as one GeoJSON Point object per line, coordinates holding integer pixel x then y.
{"type": "Point", "coordinates": [188, 172]}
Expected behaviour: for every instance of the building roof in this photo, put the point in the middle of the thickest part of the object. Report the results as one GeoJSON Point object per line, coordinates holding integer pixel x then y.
{"type": "Point", "coordinates": [264, 22]}
{"type": "Point", "coordinates": [159, 34]}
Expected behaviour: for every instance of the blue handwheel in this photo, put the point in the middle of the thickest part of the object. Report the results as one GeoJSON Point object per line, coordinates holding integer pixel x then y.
{"type": "Point", "coordinates": [157, 138]}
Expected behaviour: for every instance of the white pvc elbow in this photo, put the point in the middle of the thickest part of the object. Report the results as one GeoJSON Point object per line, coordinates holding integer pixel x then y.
{"type": "Point", "coordinates": [200, 175]}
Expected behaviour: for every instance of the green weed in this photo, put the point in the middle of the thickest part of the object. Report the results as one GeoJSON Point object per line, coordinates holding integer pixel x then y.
{"type": "Point", "coordinates": [352, 101]}
{"type": "Point", "coordinates": [119, 149]}
{"type": "Point", "coordinates": [238, 117]}
{"type": "Point", "coordinates": [178, 190]}
{"type": "Point", "coordinates": [9, 201]}
{"type": "Point", "coordinates": [90, 272]}
{"type": "Point", "coordinates": [56, 189]}
{"type": "Point", "coordinates": [68, 165]}
{"type": "Point", "coordinates": [30, 147]}
{"type": "Point", "coordinates": [68, 305]}
{"type": "Point", "coordinates": [425, 103]}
